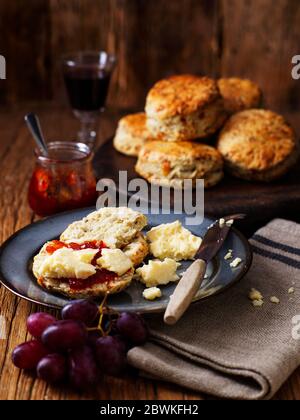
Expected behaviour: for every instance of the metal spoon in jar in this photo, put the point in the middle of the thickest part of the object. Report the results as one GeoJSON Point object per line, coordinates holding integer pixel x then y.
{"type": "Point", "coordinates": [34, 126]}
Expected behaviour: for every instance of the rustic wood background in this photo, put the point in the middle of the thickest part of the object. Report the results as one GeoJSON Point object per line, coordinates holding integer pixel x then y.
{"type": "Point", "coordinates": [152, 39]}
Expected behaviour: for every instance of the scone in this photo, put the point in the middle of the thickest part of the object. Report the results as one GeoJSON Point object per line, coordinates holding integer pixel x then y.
{"type": "Point", "coordinates": [258, 145]}
{"type": "Point", "coordinates": [96, 290]}
{"type": "Point", "coordinates": [115, 226]}
{"type": "Point", "coordinates": [137, 250]}
{"type": "Point", "coordinates": [97, 284]}
{"type": "Point", "coordinates": [131, 134]}
{"type": "Point", "coordinates": [184, 107]}
{"type": "Point", "coordinates": [239, 94]}
{"type": "Point", "coordinates": [168, 164]}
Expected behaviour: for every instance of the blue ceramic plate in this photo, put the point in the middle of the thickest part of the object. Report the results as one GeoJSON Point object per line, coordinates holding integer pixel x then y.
{"type": "Point", "coordinates": [17, 252]}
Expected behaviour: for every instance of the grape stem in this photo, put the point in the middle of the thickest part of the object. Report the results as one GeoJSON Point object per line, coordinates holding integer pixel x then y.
{"type": "Point", "coordinates": [104, 311]}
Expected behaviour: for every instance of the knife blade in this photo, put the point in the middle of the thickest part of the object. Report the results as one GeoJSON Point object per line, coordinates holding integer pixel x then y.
{"type": "Point", "coordinates": [190, 282]}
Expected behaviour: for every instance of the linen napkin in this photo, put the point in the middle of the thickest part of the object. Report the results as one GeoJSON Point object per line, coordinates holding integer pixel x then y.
{"type": "Point", "coordinates": [226, 347]}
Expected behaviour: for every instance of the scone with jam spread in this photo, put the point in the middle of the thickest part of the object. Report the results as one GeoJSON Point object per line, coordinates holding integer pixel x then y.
{"type": "Point", "coordinates": [95, 255]}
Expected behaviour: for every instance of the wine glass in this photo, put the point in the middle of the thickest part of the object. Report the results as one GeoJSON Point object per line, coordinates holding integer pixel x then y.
{"type": "Point", "coordinates": [87, 75]}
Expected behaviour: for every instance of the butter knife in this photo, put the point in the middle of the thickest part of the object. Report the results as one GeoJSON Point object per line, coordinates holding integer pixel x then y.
{"type": "Point", "coordinates": [190, 282]}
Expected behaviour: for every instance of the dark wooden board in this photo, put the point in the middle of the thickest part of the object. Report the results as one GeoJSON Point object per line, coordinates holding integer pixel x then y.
{"type": "Point", "coordinates": [260, 201]}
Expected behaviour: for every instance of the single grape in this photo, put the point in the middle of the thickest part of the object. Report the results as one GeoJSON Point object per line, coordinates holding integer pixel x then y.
{"type": "Point", "coordinates": [38, 322]}
{"type": "Point", "coordinates": [132, 327]}
{"type": "Point", "coordinates": [64, 335]}
{"type": "Point", "coordinates": [81, 310]}
{"type": "Point", "coordinates": [28, 355]}
{"type": "Point", "coordinates": [52, 368]}
{"type": "Point", "coordinates": [83, 370]}
{"type": "Point", "coordinates": [110, 355]}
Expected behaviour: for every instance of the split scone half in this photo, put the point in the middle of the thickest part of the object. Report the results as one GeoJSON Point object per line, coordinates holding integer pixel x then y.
{"type": "Point", "coordinates": [239, 94]}
{"type": "Point", "coordinates": [131, 134]}
{"type": "Point", "coordinates": [168, 164]}
{"type": "Point", "coordinates": [258, 145]}
{"type": "Point", "coordinates": [115, 226]}
{"type": "Point", "coordinates": [184, 107]}
{"type": "Point", "coordinates": [95, 255]}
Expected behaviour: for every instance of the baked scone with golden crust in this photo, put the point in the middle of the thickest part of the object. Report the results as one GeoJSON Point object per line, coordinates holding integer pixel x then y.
{"type": "Point", "coordinates": [258, 145]}
{"type": "Point", "coordinates": [96, 290]}
{"type": "Point", "coordinates": [131, 134]}
{"type": "Point", "coordinates": [184, 107]}
{"type": "Point", "coordinates": [168, 164]}
{"type": "Point", "coordinates": [239, 94]}
{"type": "Point", "coordinates": [115, 226]}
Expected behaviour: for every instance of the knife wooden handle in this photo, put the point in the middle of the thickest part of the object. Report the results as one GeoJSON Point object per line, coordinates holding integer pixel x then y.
{"type": "Point", "coordinates": [185, 291]}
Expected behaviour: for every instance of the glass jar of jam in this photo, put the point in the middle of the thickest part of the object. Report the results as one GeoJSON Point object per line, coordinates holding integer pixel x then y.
{"type": "Point", "coordinates": [64, 180]}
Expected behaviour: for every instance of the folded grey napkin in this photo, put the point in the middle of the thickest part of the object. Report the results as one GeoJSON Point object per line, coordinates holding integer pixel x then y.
{"type": "Point", "coordinates": [225, 346]}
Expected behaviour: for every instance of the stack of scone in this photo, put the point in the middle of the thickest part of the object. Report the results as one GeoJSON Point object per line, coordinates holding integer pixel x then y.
{"type": "Point", "coordinates": [183, 111]}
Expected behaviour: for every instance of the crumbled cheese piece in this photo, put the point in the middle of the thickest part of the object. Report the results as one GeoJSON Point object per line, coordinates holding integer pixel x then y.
{"type": "Point", "coordinates": [172, 240]}
{"type": "Point", "coordinates": [255, 295]}
{"type": "Point", "coordinates": [275, 299]}
{"type": "Point", "coordinates": [66, 263]}
{"type": "Point", "coordinates": [158, 272]}
{"type": "Point", "coordinates": [229, 223]}
{"type": "Point", "coordinates": [257, 303]}
{"type": "Point", "coordinates": [114, 260]}
{"type": "Point", "coordinates": [291, 290]}
{"type": "Point", "coordinates": [152, 293]}
{"type": "Point", "coordinates": [235, 262]}
{"type": "Point", "coordinates": [222, 222]}
{"type": "Point", "coordinates": [229, 255]}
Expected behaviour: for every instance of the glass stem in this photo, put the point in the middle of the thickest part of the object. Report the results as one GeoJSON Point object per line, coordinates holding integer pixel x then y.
{"type": "Point", "coordinates": [87, 133]}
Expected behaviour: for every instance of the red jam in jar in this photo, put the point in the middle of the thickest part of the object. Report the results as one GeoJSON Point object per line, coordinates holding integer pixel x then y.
{"type": "Point", "coordinates": [64, 180]}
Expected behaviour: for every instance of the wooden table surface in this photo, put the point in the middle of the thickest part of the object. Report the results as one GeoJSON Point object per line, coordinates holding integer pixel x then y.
{"type": "Point", "coordinates": [16, 165]}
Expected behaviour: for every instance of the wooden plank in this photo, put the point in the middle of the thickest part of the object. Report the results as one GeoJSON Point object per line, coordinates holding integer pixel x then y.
{"type": "Point", "coordinates": [259, 39]}
{"type": "Point", "coordinates": [156, 39]}
{"type": "Point", "coordinates": [24, 41]}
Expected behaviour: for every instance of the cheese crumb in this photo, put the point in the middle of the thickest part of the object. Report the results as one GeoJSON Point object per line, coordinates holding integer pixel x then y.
{"type": "Point", "coordinates": [229, 255]}
{"type": "Point", "coordinates": [235, 262]}
{"type": "Point", "coordinates": [229, 223]}
{"type": "Point", "coordinates": [255, 295]}
{"type": "Point", "coordinates": [158, 272]}
{"type": "Point", "coordinates": [291, 290]}
{"type": "Point", "coordinates": [257, 303]}
{"type": "Point", "coordinates": [222, 222]}
{"type": "Point", "coordinates": [152, 293]}
{"type": "Point", "coordinates": [275, 300]}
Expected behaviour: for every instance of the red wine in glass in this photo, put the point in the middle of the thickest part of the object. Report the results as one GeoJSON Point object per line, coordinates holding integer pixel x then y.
{"type": "Point", "coordinates": [87, 76]}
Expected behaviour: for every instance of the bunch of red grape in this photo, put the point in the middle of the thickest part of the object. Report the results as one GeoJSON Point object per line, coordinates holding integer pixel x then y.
{"type": "Point", "coordinates": [78, 348]}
